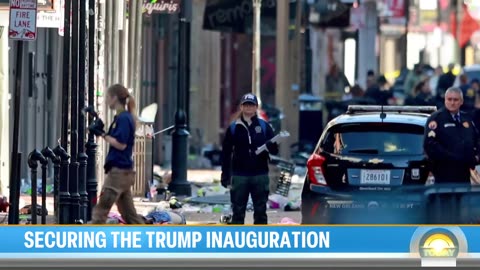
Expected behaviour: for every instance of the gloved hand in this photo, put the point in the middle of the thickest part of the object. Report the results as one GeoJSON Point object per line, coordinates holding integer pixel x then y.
{"type": "Point", "coordinates": [97, 127]}
{"type": "Point", "coordinates": [226, 180]}
{"type": "Point", "coordinates": [272, 147]}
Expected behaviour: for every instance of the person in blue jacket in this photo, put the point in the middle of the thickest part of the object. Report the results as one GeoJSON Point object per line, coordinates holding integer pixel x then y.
{"type": "Point", "coordinates": [119, 162]}
{"type": "Point", "coordinates": [244, 171]}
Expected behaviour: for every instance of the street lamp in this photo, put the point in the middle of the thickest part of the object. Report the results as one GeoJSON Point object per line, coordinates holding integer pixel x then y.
{"type": "Point", "coordinates": [91, 145]}
{"type": "Point", "coordinates": [257, 5]}
{"type": "Point", "coordinates": [179, 185]}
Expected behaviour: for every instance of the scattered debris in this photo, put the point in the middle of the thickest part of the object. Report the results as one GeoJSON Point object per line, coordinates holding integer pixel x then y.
{"type": "Point", "coordinates": [165, 217]}
{"type": "Point", "coordinates": [287, 220]}
{"type": "Point", "coordinates": [277, 201]}
{"type": "Point", "coordinates": [226, 219]}
{"type": "Point", "coordinates": [115, 218]}
{"type": "Point", "coordinates": [4, 204]}
{"type": "Point", "coordinates": [293, 206]}
{"type": "Point", "coordinates": [27, 210]}
{"type": "Point", "coordinates": [174, 203]}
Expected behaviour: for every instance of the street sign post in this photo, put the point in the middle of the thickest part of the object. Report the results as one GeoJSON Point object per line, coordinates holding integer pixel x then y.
{"type": "Point", "coordinates": [22, 27]}
{"type": "Point", "coordinates": [23, 20]}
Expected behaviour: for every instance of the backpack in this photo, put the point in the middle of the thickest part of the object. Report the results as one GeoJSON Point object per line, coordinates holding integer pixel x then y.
{"type": "Point", "coordinates": [262, 122]}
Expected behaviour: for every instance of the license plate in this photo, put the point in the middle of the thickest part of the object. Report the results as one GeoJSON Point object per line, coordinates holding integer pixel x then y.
{"type": "Point", "coordinates": [375, 177]}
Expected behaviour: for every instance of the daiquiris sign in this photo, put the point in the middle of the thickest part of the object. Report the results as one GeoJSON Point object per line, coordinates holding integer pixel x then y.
{"type": "Point", "coordinates": [161, 6]}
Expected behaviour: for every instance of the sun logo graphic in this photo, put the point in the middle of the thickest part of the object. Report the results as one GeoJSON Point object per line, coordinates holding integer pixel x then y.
{"type": "Point", "coordinates": [439, 243]}
{"type": "Point", "coordinates": [438, 247]}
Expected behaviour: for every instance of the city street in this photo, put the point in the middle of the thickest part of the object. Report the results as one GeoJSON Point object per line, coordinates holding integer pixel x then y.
{"type": "Point", "coordinates": [194, 213]}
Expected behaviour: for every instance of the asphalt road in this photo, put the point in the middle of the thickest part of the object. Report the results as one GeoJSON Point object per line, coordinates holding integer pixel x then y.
{"type": "Point", "coordinates": [274, 217]}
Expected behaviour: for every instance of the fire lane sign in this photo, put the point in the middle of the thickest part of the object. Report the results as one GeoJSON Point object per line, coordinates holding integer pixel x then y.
{"type": "Point", "coordinates": [23, 20]}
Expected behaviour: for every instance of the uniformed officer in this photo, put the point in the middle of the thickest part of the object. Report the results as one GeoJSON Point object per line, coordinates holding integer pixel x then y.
{"type": "Point", "coordinates": [244, 170]}
{"type": "Point", "coordinates": [451, 141]}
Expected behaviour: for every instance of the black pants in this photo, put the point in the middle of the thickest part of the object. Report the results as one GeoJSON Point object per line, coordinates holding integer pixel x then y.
{"type": "Point", "coordinates": [453, 174]}
{"type": "Point", "coordinates": [258, 188]}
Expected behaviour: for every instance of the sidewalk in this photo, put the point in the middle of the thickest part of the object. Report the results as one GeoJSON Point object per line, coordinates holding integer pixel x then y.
{"type": "Point", "coordinates": [197, 178]}
{"type": "Point", "coordinates": [193, 218]}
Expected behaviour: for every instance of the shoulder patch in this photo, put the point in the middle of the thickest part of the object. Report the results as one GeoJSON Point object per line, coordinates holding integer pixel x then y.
{"type": "Point", "coordinates": [466, 125]}
{"type": "Point", "coordinates": [432, 125]}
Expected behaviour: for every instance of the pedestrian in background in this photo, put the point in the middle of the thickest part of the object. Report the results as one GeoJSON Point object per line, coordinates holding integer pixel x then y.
{"type": "Point", "coordinates": [119, 162]}
{"type": "Point", "coordinates": [468, 94]}
{"type": "Point", "coordinates": [422, 95]}
{"type": "Point", "coordinates": [445, 81]}
{"type": "Point", "coordinates": [434, 80]}
{"type": "Point", "coordinates": [245, 172]}
{"type": "Point", "coordinates": [451, 141]}
{"type": "Point", "coordinates": [475, 83]}
{"type": "Point", "coordinates": [413, 77]}
{"type": "Point", "coordinates": [380, 92]}
{"type": "Point", "coordinates": [336, 82]}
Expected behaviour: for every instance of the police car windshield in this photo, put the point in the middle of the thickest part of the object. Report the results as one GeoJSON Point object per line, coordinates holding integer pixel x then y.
{"type": "Point", "coordinates": [375, 139]}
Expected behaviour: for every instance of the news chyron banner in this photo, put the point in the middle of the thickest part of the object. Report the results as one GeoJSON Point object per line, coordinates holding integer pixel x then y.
{"type": "Point", "coordinates": [428, 246]}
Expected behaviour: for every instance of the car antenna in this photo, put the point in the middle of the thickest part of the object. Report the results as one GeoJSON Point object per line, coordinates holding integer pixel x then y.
{"type": "Point", "coordinates": [383, 115]}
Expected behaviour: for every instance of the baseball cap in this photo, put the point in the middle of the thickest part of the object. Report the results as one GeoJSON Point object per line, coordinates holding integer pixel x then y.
{"type": "Point", "coordinates": [249, 98]}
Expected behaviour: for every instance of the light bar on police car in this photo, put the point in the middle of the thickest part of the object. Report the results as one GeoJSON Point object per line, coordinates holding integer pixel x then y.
{"type": "Point", "coordinates": [376, 108]}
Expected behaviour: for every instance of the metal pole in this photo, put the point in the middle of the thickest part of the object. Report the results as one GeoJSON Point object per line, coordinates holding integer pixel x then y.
{"type": "Point", "coordinates": [44, 192]}
{"type": "Point", "coordinates": [33, 158]}
{"type": "Point", "coordinates": [82, 157]}
{"type": "Point", "coordinates": [179, 185]}
{"type": "Point", "coordinates": [257, 6]}
{"type": "Point", "coordinates": [405, 36]}
{"type": "Point", "coordinates": [63, 189]}
{"type": "Point", "coordinates": [132, 16]}
{"type": "Point", "coordinates": [48, 153]}
{"type": "Point", "coordinates": [63, 194]}
{"type": "Point", "coordinates": [109, 41]}
{"type": "Point", "coordinates": [308, 62]}
{"type": "Point", "coordinates": [75, 196]}
{"type": "Point", "coordinates": [91, 145]}
{"type": "Point", "coordinates": [137, 78]}
{"type": "Point", "coordinates": [13, 214]}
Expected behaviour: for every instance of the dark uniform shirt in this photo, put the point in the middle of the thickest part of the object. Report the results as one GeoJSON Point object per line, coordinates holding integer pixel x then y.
{"type": "Point", "coordinates": [451, 146]}
{"type": "Point", "coordinates": [123, 130]}
{"type": "Point", "coordinates": [238, 150]}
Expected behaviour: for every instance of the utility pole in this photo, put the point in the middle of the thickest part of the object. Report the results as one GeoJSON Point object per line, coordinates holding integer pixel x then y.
{"type": "Point", "coordinates": [180, 185]}
{"type": "Point", "coordinates": [13, 214]}
{"type": "Point", "coordinates": [282, 52]}
{"type": "Point", "coordinates": [405, 36]}
{"type": "Point", "coordinates": [75, 196]}
{"type": "Point", "coordinates": [64, 197]}
{"type": "Point", "coordinates": [291, 106]}
{"type": "Point", "coordinates": [257, 9]}
{"type": "Point", "coordinates": [82, 156]}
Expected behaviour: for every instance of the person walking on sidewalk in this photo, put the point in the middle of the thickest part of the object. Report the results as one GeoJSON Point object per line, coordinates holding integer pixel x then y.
{"type": "Point", "coordinates": [242, 169]}
{"type": "Point", "coordinates": [119, 163]}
